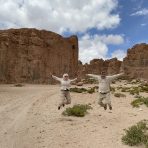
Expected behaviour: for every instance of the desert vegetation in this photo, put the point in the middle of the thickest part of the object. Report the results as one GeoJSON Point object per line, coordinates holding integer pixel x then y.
{"type": "Point", "coordinates": [78, 110]}
{"type": "Point", "coordinates": [84, 90]}
{"type": "Point", "coordinates": [140, 101]}
{"type": "Point", "coordinates": [119, 95]}
{"type": "Point", "coordinates": [137, 134]}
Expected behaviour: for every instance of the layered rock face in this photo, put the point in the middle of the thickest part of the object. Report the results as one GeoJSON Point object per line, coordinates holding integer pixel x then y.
{"type": "Point", "coordinates": [111, 66]}
{"type": "Point", "coordinates": [136, 61]}
{"type": "Point", "coordinates": [29, 55]}
{"type": "Point", "coordinates": [135, 64]}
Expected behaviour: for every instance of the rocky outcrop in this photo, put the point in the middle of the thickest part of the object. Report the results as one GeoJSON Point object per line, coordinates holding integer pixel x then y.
{"type": "Point", "coordinates": [135, 64]}
{"type": "Point", "coordinates": [29, 55]}
{"type": "Point", "coordinates": [136, 61]}
{"type": "Point", "coordinates": [111, 66]}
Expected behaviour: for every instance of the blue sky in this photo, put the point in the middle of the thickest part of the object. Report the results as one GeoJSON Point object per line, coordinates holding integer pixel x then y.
{"type": "Point", "coordinates": [105, 28]}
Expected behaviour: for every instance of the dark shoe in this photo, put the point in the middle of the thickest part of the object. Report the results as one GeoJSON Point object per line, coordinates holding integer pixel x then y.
{"type": "Point", "coordinates": [59, 108]}
{"type": "Point", "coordinates": [110, 107]}
{"type": "Point", "coordinates": [105, 107]}
{"type": "Point", "coordinates": [63, 105]}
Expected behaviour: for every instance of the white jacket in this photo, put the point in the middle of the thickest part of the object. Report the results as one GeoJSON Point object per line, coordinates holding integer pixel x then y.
{"type": "Point", "coordinates": [104, 84]}
{"type": "Point", "coordinates": [65, 85]}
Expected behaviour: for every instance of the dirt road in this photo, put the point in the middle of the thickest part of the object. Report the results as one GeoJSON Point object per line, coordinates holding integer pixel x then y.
{"type": "Point", "coordinates": [29, 118]}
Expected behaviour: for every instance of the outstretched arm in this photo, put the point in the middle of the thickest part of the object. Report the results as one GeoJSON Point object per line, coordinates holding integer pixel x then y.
{"type": "Point", "coordinates": [73, 80]}
{"type": "Point", "coordinates": [94, 76]}
{"type": "Point", "coordinates": [56, 78]}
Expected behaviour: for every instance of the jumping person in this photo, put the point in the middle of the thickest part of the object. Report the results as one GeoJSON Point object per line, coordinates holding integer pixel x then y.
{"type": "Point", "coordinates": [104, 88]}
{"type": "Point", "coordinates": [65, 88]}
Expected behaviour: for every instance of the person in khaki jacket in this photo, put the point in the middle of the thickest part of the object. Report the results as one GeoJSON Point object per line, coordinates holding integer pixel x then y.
{"type": "Point", "coordinates": [65, 89]}
{"type": "Point", "coordinates": [104, 88]}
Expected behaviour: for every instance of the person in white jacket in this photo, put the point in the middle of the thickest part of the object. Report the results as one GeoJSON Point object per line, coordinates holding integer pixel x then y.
{"type": "Point", "coordinates": [104, 88]}
{"type": "Point", "coordinates": [65, 89]}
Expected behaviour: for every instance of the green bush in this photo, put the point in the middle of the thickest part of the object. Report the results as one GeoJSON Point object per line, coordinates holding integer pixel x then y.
{"type": "Point", "coordinates": [134, 81]}
{"type": "Point", "coordinates": [140, 101]}
{"type": "Point", "coordinates": [77, 110]}
{"type": "Point", "coordinates": [136, 134]}
{"type": "Point", "coordinates": [134, 90]}
{"type": "Point", "coordinates": [125, 89]}
{"type": "Point", "coordinates": [19, 85]}
{"type": "Point", "coordinates": [112, 89]}
{"type": "Point", "coordinates": [78, 90]}
{"type": "Point", "coordinates": [119, 95]}
{"type": "Point", "coordinates": [144, 88]}
{"type": "Point", "coordinates": [91, 90]}
{"type": "Point", "coordinates": [81, 90]}
{"type": "Point", "coordinates": [90, 81]}
{"type": "Point", "coordinates": [119, 87]}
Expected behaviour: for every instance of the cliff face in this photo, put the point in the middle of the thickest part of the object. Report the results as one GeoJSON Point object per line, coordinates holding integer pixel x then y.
{"type": "Point", "coordinates": [29, 55]}
{"type": "Point", "coordinates": [136, 61]}
{"type": "Point", "coordinates": [111, 66]}
{"type": "Point", "coordinates": [135, 64]}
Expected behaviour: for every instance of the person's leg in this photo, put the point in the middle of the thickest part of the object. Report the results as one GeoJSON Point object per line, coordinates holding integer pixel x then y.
{"type": "Point", "coordinates": [68, 97]}
{"type": "Point", "coordinates": [62, 102]}
{"type": "Point", "coordinates": [108, 101]}
{"type": "Point", "coordinates": [101, 97]}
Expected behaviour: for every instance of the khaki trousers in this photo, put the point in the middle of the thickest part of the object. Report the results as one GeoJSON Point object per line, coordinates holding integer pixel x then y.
{"type": "Point", "coordinates": [65, 98]}
{"type": "Point", "coordinates": [104, 99]}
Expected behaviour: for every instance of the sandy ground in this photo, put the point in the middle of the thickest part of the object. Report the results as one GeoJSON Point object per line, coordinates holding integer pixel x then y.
{"type": "Point", "coordinates": [29, 118]}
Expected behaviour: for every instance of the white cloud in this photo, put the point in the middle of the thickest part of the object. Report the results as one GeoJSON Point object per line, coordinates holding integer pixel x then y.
{"type": "Point", "coordinates": [141, 12]}
{"type": "Point", "coordinates": [111, 39]}
{"type": "Point", "coordinates": [59, 15]}
{"type": "Point", "coordinates": [143, 24]}
{"type": "Point", "coordinates": [96, 46]}
{"type": "Point", "coordinates": [119, 54]}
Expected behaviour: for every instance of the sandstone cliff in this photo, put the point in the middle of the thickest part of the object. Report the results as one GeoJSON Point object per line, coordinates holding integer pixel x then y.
{"type": "Point", "coordinates": [135, 64]}
{"type": "Point", "coordinates": [136, 61]}
{"type": "Point", "coordinates": [111, 66]}
{"type": "Point", "coordinates": [29, 55]}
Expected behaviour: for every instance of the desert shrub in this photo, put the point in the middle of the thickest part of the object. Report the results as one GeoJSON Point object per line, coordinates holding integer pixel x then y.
{"type": "Point", "coordinates": [136, 134]}
{"type": "Point", "coordinates": [119, 95]}
{"type": "Point", "coordinates": [78, 110]}
{"type": "Point", "coordinates": [19, 85]}
{"type": "Point", "coordinates": [134, 90]}
{"type": "Point", "coordinates": [119, 87]}
{"type": "Point", "coordinates": [114, 82]}
{"type": "Point", "coordinates": [88, 80]}
{"type": "Point", "coordinates": [140, 101]}
{"type": "Point", "coordinates": [144, 88]}
{"type": "Point", "coordinates": [137, 102]}
{"type": "Point", "coordinates": [134, 81]}
{"type": "Point", "coordinates": [81, 90]}
{"type": "Point", "coordinates": [91, 90]}
{"type": "Point", "coordinates": [125, 89]}
{"type": "Point", "coordinates": [78, 90]}
{"type": "Point", "coordinates": [112, 89]}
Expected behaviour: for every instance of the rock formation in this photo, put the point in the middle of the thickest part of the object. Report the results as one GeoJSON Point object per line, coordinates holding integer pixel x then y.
{"type": "Point", "coordinates": [136, 61]}
{"type": "Point", "coordinates": [29, 55]}
{"type": "Point", "coordinates": [135, 64]}
{"type": "Point", "coordinates": [111, 66]}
